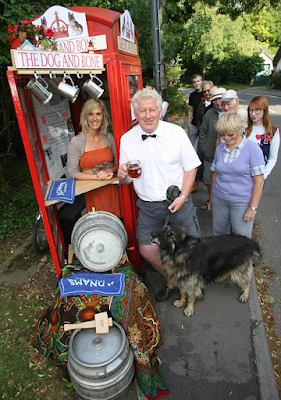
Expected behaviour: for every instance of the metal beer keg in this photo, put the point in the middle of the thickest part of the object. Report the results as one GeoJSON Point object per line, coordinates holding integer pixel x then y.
{"type": "Point", "coordinates": [101, 366]}
{"type": "Point", "coordinates": [99, 240]}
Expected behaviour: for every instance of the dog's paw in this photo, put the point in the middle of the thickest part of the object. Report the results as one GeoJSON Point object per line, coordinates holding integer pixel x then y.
{"type": "Point", "coordinates": [188, 312]}
{"type": "Point", "coordinates": [243, 298]}
{"type": "Point", "coordinates": [178, 303]}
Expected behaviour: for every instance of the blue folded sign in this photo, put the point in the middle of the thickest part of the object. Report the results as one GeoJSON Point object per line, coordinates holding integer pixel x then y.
{"type": "Point", "coordinates": [90, 283]}
{"type": "Point", "coordinates": [62, 190]}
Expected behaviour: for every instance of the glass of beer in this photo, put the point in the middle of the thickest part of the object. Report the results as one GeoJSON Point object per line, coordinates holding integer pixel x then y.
{"type": "Point", "coordinates": [134, 169]}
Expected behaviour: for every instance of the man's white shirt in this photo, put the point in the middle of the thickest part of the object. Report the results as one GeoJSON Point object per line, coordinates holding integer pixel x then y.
{"type": "Point", "coordinates": [164, 159]}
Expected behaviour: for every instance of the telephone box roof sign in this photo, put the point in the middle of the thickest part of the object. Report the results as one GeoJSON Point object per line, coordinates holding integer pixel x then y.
{"type": "Point", "coordinates": [98, 19]}
{"type": "Point", "coordinates": [64, 23]}
{"type": "Point", "coordinates": [127, 28]}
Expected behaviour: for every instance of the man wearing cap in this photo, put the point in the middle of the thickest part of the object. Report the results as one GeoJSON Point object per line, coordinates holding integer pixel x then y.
{"type": "Point", "coordinates": [208, 137]}
{"type": "Point", "coordinates": [230, 101]}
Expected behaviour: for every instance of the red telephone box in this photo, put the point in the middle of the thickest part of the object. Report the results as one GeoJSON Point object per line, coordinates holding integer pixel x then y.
{"type": "Point", "coordinates": [117, 64]}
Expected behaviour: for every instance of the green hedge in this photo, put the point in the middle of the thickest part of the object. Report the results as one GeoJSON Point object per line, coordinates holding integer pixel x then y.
{"type": "Point", "coordinates": [237, 68]}
{"type": "Point", "coordinates": [274, 81]}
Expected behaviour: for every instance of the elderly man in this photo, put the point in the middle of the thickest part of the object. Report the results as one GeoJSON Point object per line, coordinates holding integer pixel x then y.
{"type": "Point", "coordinates": [202, 108]}
{"type": "Point", "coordinates": [230, 101]}
{"type": "Point", "coordinates": [204, 104]}
{"type": "Point", "coordinates": [208, 138]}
{"type": "Point", "coordinates": [167, 158]}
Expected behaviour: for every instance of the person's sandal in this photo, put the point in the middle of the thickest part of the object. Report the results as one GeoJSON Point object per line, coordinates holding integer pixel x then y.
{"type": "Point", "coordinates": [164, 294]}
{"type": "Point", "coordinates": [204, 206]}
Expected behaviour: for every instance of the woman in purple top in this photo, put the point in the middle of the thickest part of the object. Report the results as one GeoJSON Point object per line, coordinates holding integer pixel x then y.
{"type": "Point", "coordinates": [238, 175]}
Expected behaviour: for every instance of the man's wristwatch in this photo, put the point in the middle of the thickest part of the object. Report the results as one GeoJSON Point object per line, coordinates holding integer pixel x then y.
{"type": "Point", "coordinates": [253, 208]}
{"type": "Point", "coordinates": [184, 197]}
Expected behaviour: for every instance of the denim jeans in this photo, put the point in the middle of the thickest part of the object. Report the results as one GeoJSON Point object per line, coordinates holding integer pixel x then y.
{"type": "Point", "coordinates": [228, 217]}
{"type": "Point", "coordinates": [192, 133]}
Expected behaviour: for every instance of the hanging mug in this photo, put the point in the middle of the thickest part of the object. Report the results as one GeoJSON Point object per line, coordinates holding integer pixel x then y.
{"type": "Point", "coordinates": [71, 92]}
{"type": "Point", "coordinates": [92, 88]}
{"type": "Point", "coordinates": [39, 90]}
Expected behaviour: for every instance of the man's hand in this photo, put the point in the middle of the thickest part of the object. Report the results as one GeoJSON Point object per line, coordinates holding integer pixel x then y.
{"type": "Point", "coordinates": [122, 172]}
{"type": "Point", "coordinates": [176, 205]}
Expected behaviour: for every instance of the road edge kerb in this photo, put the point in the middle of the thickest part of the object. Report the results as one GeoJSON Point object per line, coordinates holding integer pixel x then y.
{"type": "Point", "coordinates": [266, 377]}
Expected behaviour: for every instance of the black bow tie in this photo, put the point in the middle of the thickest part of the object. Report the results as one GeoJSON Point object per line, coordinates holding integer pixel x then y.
{"type": "Point", "coordinates": [144, 137]}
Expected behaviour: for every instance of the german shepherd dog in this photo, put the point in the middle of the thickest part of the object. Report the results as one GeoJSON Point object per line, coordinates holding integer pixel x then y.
{"type": "Point", "coordinates": [191, 263]}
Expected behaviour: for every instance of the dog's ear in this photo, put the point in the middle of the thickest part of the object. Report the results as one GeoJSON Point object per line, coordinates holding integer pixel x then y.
{"type": "Point", "coordinates": [194, 241]}
{"type": "Point", "coordinates": [178, 251]}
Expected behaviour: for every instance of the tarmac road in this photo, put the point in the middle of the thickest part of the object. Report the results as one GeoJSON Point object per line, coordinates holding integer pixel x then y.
{"type": "Point", "coordinates": [269, 212]}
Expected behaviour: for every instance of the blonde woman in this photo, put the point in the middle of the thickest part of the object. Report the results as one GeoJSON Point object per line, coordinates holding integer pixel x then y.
{"type": "Point", "coordinates": [91, 156]}
{"type": "Point", "coordinates": [237, 182]}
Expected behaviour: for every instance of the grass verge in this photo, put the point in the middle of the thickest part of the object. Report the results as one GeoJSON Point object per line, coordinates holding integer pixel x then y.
{"type": "Point", "coordinates": [18, 204]}
{"type": "Point", "coordinates": [24, 373]}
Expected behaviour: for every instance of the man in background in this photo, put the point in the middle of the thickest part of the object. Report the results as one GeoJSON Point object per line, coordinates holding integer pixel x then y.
{"type": "Point", "coordinates": [230, 101]}
{"type": "Point", "coordinates": [208, 138]}
{"type": "Point", "coordinates": [194, 99]}
{"type": "Point", "coordinates": [203, 106]}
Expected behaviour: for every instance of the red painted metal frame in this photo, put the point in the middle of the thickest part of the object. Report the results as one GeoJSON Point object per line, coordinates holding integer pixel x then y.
{"type": "Point", "coordinates": [11, 75]}
{"type": "Point", "coordinates": [119, 66]}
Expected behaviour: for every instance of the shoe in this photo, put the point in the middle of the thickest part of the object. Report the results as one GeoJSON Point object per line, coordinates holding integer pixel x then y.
{"type": "Point", "coordinates": [195, 186]}
{"type": "Point", "coordinates": [204, 206]}
{"type": "Point", "coordinates": [164, 294]}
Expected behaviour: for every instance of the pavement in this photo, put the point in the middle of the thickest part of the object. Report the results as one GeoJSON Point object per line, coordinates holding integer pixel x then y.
{"type": "Point", "coordinates": [221, 352]}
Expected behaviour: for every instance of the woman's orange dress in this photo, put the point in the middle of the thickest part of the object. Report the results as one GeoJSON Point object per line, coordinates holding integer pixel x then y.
{"type": "Point", "coordinates": [105, 198]}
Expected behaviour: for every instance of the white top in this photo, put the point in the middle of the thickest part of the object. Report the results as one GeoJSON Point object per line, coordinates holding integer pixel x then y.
{"type": "Point", "coordinates": [243, 113]}
{"type": "Point", "coordinates": [163, 159]}
{"type": "Point", "coordinates": [256, 136]}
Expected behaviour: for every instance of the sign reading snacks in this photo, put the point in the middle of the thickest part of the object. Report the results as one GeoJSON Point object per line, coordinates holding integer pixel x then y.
{"type": "Point", "coordinates": [55, 60]}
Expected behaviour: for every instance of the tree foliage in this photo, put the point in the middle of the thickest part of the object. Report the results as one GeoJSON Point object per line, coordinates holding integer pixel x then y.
{"type": "Point", "coordinates": [265, 26]}
{"type": "Point", "coordinates": [226, 70]}
{"type": "Point", "coordinates": [214, 39]}
{"type": "Point", "coordinates": [275, 81]}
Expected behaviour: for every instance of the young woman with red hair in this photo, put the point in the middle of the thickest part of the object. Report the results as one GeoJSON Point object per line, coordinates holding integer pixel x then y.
{"type": "Point", "coordinates": [261, 131]}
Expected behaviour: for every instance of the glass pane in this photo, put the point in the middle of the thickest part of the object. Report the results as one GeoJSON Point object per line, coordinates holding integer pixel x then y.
{"type": "Point", "coordinates": [133, 84]}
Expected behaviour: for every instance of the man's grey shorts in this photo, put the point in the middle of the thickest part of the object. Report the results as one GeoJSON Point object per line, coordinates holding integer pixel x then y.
{"type": "Point", "coordinates": [152, 216]}
{"type": "Point", "coordinates": [208, 174]}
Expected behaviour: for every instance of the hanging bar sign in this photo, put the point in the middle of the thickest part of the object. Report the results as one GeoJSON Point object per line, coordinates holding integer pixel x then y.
{"type": "Point", "coordinates": [55, 60]}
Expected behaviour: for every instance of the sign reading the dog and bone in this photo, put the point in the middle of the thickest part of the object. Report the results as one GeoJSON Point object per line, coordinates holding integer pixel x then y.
{"type": "Point", "coordinates": [37, 60]}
